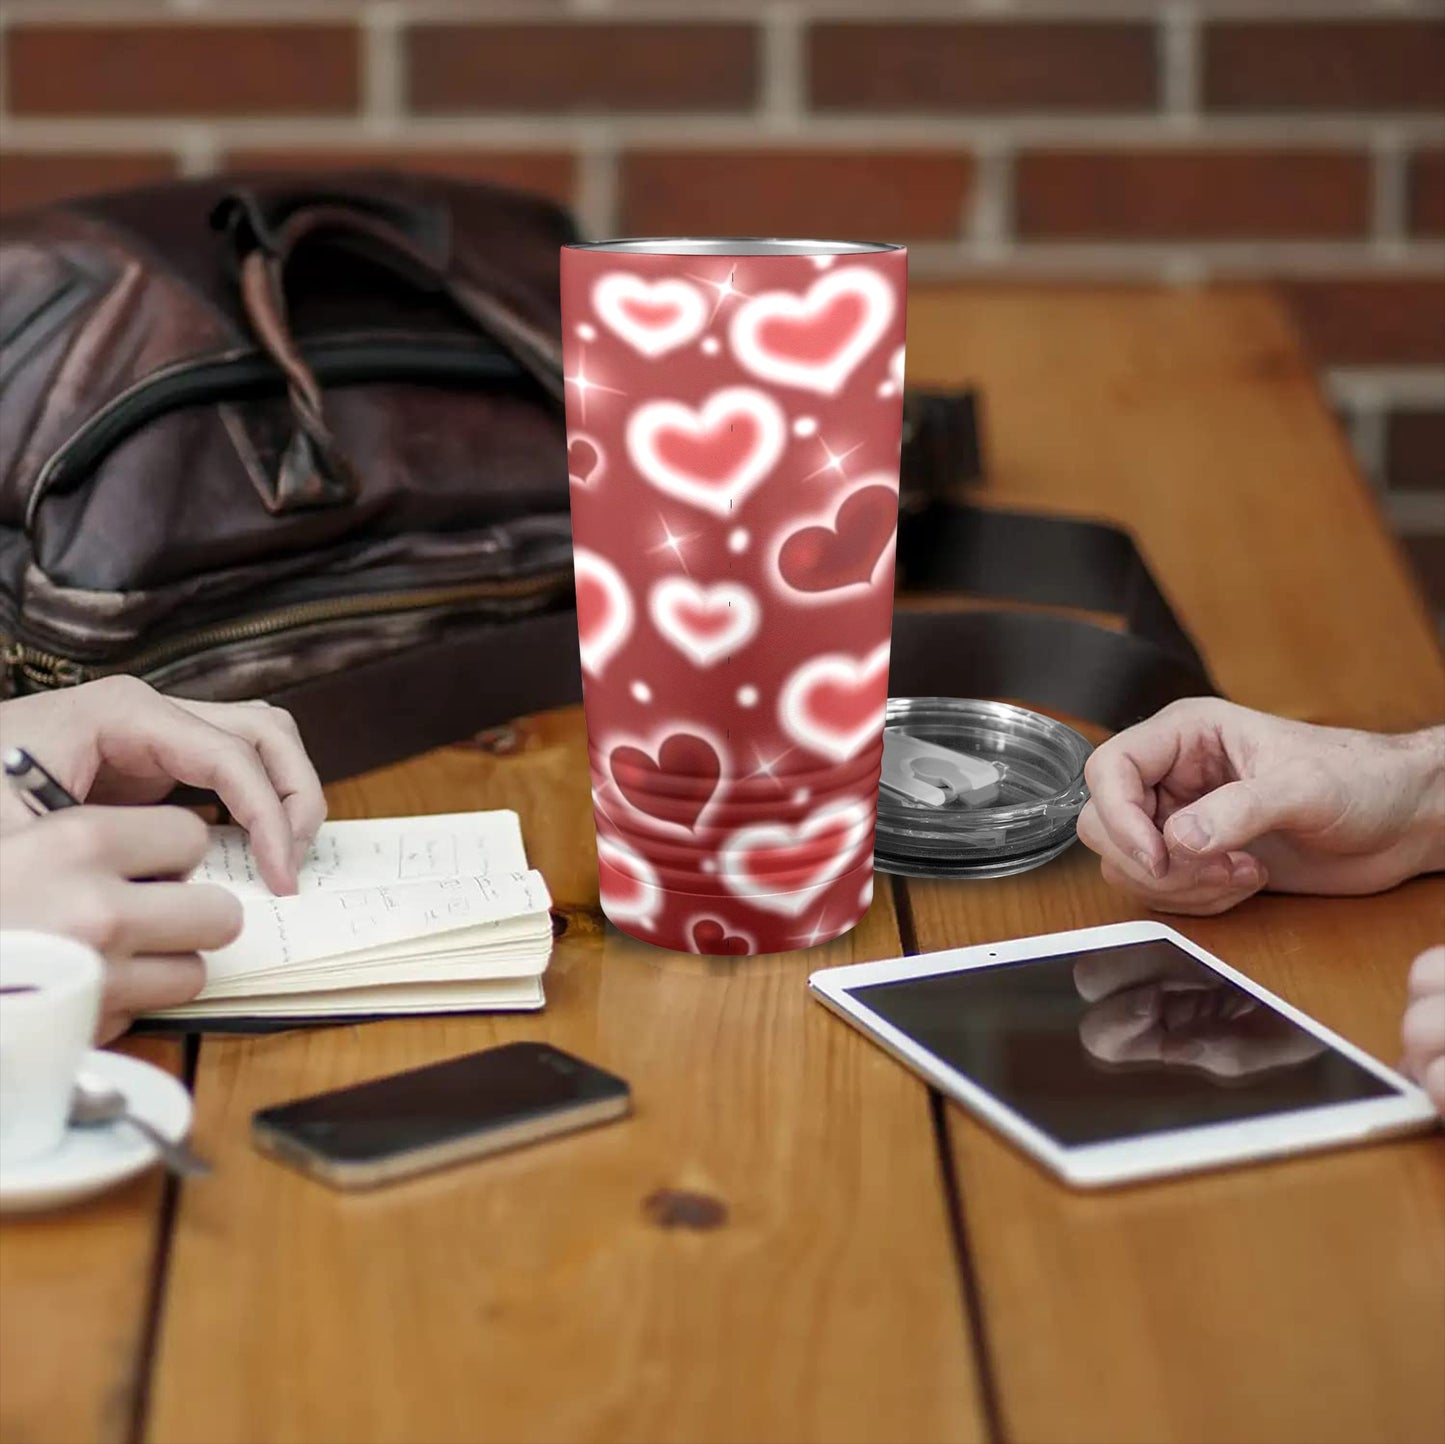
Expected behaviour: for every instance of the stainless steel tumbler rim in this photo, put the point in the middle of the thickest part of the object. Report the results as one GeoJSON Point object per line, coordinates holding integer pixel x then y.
{"type": "Point", "coordinates": [732, 246]}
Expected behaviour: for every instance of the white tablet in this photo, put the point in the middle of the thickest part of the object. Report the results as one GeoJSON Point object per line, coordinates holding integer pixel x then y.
{"type": "Point", "coordinates": [1125, 1052]}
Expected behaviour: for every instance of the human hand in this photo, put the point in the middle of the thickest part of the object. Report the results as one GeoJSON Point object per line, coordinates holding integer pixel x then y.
{"type": "Point", "coordinates": [1206, 803]}
{"type": "Point", "coordinates": [1423, 1029]}
{"type": "Point", "coordinates": [119, 741]}
{"type": "Point", "coordinates": [1162, 1008]}
{"type": "Point", "coordinates": [76, 873]}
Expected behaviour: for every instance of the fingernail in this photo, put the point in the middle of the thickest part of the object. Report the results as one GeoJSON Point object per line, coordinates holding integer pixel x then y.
{"type": "Point", "coordinates": [1145, 1005]}
{"type": "Point", "coordinates": [1147, 863]}
{"type": "Point", "coordinates": [1242, 871]}
{"type": "Point", "coordinates": [1190, 832]}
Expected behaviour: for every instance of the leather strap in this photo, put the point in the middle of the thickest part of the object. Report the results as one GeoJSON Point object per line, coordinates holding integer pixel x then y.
{"type": "Point", "coordinates": [313, 470]}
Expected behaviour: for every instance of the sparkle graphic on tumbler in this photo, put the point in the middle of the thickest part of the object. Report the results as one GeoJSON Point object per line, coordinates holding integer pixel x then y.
{"type": "Point", "coordinates": [814, 935]}
{"type": "Point", "coordinates": [673, 543]}
{"type": "Point", "coordinates": [584, 384]}
{"type": "Point", "coordinates": [725, 291]}
{"type": "Point", "coordinates": [834, 462]}
{"type": "Point", "coordinates": [734, 506]}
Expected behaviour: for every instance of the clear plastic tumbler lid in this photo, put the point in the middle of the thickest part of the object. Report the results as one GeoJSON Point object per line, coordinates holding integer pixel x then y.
{"type": "Point", "coordinates": [976, 789]}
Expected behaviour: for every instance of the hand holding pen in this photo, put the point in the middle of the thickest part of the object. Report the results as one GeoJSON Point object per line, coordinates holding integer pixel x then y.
{"type": "Point", "coordinates": [36, 788]}
{"type": "Point", "coordinates": [106, 874]}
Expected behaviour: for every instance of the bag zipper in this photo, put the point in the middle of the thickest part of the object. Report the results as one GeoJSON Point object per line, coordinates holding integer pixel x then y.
{"type": "Point", "coordinates": [45, 670]}
{"type": "Point", "coordinates": [245, 373]}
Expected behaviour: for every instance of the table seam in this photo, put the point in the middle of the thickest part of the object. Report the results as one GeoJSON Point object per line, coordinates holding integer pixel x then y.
{"type": "Point", "coordinates": [972, 1299]}
{"type": "Point", "coordinates": [160, 1263]}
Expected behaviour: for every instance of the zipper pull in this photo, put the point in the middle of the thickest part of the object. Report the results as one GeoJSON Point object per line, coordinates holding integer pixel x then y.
{"type": "Point", "coordinates": [29, 670]}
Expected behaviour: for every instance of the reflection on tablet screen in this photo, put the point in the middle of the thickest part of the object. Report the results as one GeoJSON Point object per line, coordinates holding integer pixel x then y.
{"type": "Point", "coordinates": [1117, 1042]}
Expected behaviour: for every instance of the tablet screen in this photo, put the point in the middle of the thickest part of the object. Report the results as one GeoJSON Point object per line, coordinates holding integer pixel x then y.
{"type": "Point", "coordinates": [1096, 1046]}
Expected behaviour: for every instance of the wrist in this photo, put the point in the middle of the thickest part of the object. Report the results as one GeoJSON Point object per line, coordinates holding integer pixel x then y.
{"type": "Point", "coordinates": [1425, 763]}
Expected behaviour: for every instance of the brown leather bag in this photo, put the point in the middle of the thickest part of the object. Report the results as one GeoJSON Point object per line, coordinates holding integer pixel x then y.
{"type": "Point", "coordinates": [257, 432]}
{"type": "Point", "coordinates": [303, 440]}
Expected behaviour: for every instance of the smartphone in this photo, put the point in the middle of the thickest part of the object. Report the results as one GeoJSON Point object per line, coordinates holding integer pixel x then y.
{"type": "Point", "coordinates": [465, 1108]}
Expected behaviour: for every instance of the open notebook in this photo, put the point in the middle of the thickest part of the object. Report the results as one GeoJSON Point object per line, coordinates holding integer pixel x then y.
{"type": "Point", "coordinates": [393, 915]}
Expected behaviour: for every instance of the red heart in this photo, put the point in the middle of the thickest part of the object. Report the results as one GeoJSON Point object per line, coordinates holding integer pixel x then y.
{"type": "Point", "coordinates": [834, 704]}
{"type": "Point", "coordinates": [812, 340]}
{"type": "Point", "coordinates": [784, 866]}
{"type": "Point", "coordinates": [592, 606]}
{"type": "Point", "coordinates": [711, 455]}
{"type": "Point", "coordinates": [819, 558]}
{"type": "Point", "coordinates": [651, 786]}
{"type": "Point", "coordinates": [651, 314]}
{"type": "Point", "coordinates": [582, 459]}
{"type": "Point", "coordinates": [843, 705]}
{"type": "Point", "coordinates": [709, 936]}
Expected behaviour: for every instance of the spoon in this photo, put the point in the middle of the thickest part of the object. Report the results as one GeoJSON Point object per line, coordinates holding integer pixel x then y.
{"type": "Point", "coordinates": [93, 1104]}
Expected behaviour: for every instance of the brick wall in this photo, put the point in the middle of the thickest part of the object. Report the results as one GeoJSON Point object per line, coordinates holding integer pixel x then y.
{"type": "Point", "coordinates": [1301, 141]}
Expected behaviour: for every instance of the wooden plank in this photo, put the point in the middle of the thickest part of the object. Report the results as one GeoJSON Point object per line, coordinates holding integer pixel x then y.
{"type": "Point", "coordinates": [539, 1296]}
{"type": "Point", "coordinates": [1192, 417]}
{"type": "Point", "coordinates": [1298, 1301]}
{"type": "Point", "coordinates": [75, 1295]}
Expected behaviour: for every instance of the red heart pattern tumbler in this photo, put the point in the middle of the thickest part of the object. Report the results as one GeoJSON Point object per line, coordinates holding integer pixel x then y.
{"type": "Point", "coordinates": [734, 416]}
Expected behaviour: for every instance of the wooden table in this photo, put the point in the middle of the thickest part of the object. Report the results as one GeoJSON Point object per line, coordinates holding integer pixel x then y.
{"type": "Point", "coordinates": [887, 1269]}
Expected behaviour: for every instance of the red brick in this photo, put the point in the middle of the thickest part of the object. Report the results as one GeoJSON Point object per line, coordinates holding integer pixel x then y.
{"type": "Point", "coordinates": [549, 173]}
{"type": "Point", "coordinates": [1325, 65]}
{"type": "Point", "coordinates": [1427, 556]}
{"type": "Point", "coordinates": [984, 66]}
{"type": "Point", "coordinates": [1368, 320]}
{"type": "Point", "coordinates": [33, 179]}
{"type": "Point", "coordinates": [899, 196]}
{"type": "Point", "coordinates": [1168, 194]}
{"type": "Point", "coordinates": [584, 66]}
{"type": "Point", "coordinates": [1427, 193]}
{"type": "Point", "coordinates": [182, 69]}
{"type": "Point", "coordinates": [1415, 450]}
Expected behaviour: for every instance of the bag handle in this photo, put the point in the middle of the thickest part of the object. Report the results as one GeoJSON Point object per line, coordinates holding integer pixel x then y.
{"type": "Point", "coordinates": [314, 471]}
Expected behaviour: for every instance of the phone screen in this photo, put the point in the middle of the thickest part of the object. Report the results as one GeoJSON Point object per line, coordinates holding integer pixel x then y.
{"type": "Point", "coordinates": [443, 1103]}
{"type": "Point", "coordinates": [1098, 1046]}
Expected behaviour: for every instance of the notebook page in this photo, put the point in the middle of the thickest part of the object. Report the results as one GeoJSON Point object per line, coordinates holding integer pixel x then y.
{"type": "Point", "coordinates": [357, 854]}
{"type": "Point", "coordinates": [513, 948]}
{"type": "Point", "coordinates": [502, 995]}
{"type": "Point", "coordinates": [329, 924]}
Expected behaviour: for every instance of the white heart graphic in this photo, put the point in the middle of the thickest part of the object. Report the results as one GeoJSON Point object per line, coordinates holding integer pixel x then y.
{"type": "Point", "coordinates": [825, 374]}
{"type": "Point", "coordinates": [795, 896]}
{"type": "Point", "coordinates": [598, 467]}
{"type": "Point", "coordinates": [719, 475]}
{"type": "Point", "coordinates": [704, 623]}
{"type": "Point", "coordinates": [653, 317]}
{"type": "Point", "coordinates": [632, 867]}
{"type": "Point", "coordinates": [804, 714]}
{"type": "Point", "coordinates": [603, 624]}
{"type": "Point", "coordinates": [895, 368]}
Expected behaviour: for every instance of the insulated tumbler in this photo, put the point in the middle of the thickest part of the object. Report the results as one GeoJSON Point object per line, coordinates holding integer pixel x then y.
{"type": "Point", "coordinates": [734, 417]}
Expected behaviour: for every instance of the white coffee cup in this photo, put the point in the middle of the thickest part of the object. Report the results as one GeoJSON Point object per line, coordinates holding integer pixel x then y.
{"type": "Point", "coordinates": [49, 1002]}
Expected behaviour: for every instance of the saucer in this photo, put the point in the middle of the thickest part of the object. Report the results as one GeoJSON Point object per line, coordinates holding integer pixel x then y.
{"type": "Point", "coordinates": [92, 1159]}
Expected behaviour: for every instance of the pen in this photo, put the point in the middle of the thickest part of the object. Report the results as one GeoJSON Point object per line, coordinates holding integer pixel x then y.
{"type": "Point", "coordinates": [38, 790]}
